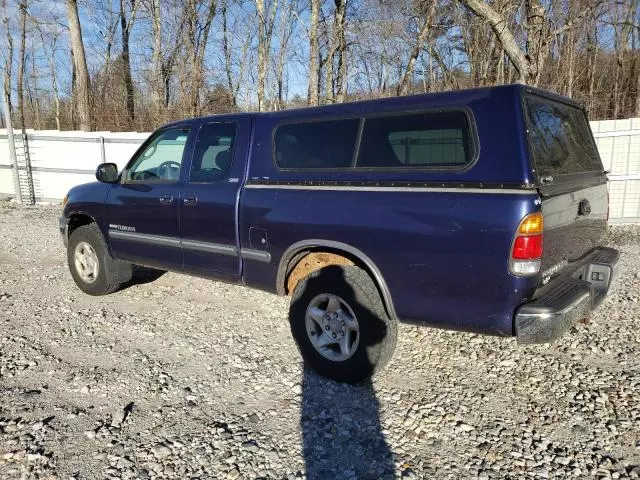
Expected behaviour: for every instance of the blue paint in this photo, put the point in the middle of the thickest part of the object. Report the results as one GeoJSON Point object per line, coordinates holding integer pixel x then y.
{"type": "Point", "coordinates": [443, 256]}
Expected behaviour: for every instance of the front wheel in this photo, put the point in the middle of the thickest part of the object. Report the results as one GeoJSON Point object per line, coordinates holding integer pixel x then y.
{"type": "Point", "coordinates": [89, 260]}
{"type": "Point", "coordinates": [340, 324]}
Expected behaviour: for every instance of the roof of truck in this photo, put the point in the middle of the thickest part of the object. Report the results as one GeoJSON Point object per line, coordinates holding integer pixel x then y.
{"type": "Point", "coordinates": [438, 100]}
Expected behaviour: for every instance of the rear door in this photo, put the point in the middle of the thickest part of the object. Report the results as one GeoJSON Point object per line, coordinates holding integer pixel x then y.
{"type": "Point", "coordinates": [143, 209]}
{"type": "Point", "coordinates": [571, 180]}
{"type": "Point", "coordinates": [210, 195]}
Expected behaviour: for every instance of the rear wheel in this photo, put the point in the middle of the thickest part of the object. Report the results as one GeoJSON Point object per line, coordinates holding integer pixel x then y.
{"type": "Point", "coordinates": [89, 260]}
{"type": "Point", "coordinates": [340, 324]}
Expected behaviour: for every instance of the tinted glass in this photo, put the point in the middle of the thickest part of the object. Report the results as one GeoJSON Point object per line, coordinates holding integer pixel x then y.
{"type": "Point", "coordinates": [560, 138]}
{"type": "Point", "coordinates": [329, 144]}
{"type": "Point", "coordinates": [161, 160]}
{"type": "Point", "coordinates": [213, 152]}
{"type": "Point", "coordinates": [425, 140]}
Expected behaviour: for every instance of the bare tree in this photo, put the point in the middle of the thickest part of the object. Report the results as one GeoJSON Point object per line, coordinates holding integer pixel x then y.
{"type": "Point", "coordinates": [587, 49]}
{"type": "Point", "coordinates": [313, 97]}
{"type": "Point", "coordinates": [126, 24]}
{"type": "Point", "coordinates": [235, 53]}
{"type": "Point", "coordinates": [196, 38]}
{"type": "Point", "coordinates": [288, 14]}
{"type": "Point", "coordinates": [506, 37]}
{"type": "Point", "coordinates": [427, 10]}
{"type": "Point", "coordinates": [51, 61]}
{"type": "Point", "coordinates": [266, 18]}
{"type": "Point", "coordinates": [82, 81]}
{"type": "Point", "coordinates": [336, 87]}
{"type": "Point", "coordinates": [8, 56]}
{"type": "Point", "coordinates": [340, 22]}
{"type": "Point", "coordinates": [21, 60]}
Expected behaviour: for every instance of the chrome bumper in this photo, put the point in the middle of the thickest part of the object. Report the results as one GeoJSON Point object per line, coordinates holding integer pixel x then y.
{"type": "Point", "coordinates": [566, 299]}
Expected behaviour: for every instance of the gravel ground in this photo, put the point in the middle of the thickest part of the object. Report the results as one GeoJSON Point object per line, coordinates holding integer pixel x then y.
{"type": "Point", "coordinates": [179, 377]}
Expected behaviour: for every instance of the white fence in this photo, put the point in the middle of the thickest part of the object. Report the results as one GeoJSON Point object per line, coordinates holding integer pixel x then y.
{"type": "Point", "coordinates": [619, 146]}
{"type": "Point", "coordinates": [60, 160]}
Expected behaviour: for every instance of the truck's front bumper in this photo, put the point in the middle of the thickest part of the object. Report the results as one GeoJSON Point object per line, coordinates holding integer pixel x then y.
{"type": "Point", "coordinates": [566, 299]}
{"type": "Point", "coordinates": [63, 224]}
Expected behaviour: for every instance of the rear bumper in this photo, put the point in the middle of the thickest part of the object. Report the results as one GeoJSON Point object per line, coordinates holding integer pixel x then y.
{"type": "Point", "coordinates": [566, 299]}
{"type": "Point", "coordinates": [63, 225]}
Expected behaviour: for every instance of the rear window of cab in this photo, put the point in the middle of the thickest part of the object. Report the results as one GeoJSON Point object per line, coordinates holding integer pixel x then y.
{"type": "Point", "coordinates": [435, 140]}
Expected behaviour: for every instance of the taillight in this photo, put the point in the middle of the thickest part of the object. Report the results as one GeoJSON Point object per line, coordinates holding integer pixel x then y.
{"type": "Point", "coordinates": [526, 251]}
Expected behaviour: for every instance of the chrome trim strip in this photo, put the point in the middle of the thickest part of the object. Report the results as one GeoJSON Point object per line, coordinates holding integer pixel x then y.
{"type": "Point", "coordinates": [158, 240]}
{"type": "Point", "coordinates": [257, 255]}
{"type": "Point", "coordinates": [163, 241]}
{"type": "Point", "coordinates": [209, 247]}
{"type": "Point", "coordinates": [503, 191]}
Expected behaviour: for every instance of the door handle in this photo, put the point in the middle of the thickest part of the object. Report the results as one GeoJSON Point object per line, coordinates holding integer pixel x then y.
{"type": "Point", "coordinates": [166, 198]}
{"type": "Point", "coordinates": [190, 200]}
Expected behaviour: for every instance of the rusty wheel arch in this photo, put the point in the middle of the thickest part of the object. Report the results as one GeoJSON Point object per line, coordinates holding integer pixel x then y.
{"type": "Point", "coordinates": [305, 257]}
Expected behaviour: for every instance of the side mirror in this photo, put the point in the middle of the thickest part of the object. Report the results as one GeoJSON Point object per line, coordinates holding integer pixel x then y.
{"type": "Point", "coordinates": [107, 173]}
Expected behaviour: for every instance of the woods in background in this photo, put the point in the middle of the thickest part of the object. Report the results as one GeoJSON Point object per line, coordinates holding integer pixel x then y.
{"type": "Point", "coordinates": [135, 64]}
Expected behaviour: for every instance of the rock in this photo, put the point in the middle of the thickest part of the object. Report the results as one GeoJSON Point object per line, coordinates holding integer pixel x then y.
{"type": "Point", "coordinates": [161, 451]}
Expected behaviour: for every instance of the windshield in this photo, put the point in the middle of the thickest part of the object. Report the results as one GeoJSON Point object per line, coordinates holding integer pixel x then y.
{"type": "Point", "coordinates": [560, 138]}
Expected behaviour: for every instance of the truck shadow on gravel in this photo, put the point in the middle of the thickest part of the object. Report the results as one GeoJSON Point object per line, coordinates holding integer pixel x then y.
{"type": "Point", "coordinates": [341, 431]}
{"type": "Point", "coordinates": [142, 275]}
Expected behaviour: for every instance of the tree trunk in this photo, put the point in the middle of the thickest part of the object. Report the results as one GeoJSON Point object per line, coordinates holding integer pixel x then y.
{"type": "Point", "coordinates": [82, 82]}
{"type": "Point", "coordinates": [637, 109]}
{"type": "Point", "coordinates": [313, 97]}
{"type": "Point", "coordinates": [537, 40]}
{"type": "Point", "coordinates": [227, 55]}
{"type": "Point", "coordinates": [571, 62]}
{"type": "Point", "coordinates": [9, 58]}
{"type": "Point", "coordinates": [284, 34]}
{"type": "Point", "coordinates": [417, 48]}
{"type": "Point", "coordinates": [157, 83]}
{"type": "Point", "coordinates": [265, 29]}
{"type": "Point", "coordinates": [505, 36]}
{"type": "Point", "coordinates": [35, 96]}
{"type": "Point", "coordinates": [341, 79]}
{"type": "Point", "coordinates": [21, 60]}
{"type": "Point", "coordinates": [125, 30]}
{"type": "Point", "coordinates": [200, 51]}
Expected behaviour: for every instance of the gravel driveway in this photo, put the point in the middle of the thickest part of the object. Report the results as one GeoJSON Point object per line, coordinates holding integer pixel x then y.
{"type": "Point", "coordinates": [179, 377]}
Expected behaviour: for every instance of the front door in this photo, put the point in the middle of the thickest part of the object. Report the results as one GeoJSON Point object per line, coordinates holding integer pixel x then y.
{"type": "Point", "coordinates": [210, 194]}
{"type": "Point", "coordinates": [143, 209]}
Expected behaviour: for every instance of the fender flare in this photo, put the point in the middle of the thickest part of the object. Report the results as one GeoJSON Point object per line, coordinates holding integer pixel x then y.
{"type": "Point", "coordinates": [375, 272]}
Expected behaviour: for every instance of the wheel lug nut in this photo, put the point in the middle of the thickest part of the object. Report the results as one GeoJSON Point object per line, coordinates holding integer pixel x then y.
{"type": "Point", "coordinates": [326, 328]}
{"type": "Point", "coordinates": [342, 323]}
{"type": "Point", "coordinates": [327, 318]}
{"type": "Point", "coordinates": [335, 315]}
{"type": "Point", "coordinates": [333, 335]}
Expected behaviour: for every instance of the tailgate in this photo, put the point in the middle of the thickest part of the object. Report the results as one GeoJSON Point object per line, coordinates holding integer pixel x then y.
{"type": "Point", "coordinates": [570, 179]}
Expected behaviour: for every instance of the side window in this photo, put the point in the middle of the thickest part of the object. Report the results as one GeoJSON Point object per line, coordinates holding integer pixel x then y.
{"type": "Point", "coordinates": [326, 144]}
{"type": "Point", "coordinates": [161, 160]}
{"type": "Point", "coordinates": [213, 152]}
{"type": "Point", "coordinates": [426, 140]}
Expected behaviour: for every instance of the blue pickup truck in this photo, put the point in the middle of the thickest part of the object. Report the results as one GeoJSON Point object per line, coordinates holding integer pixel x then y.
{"type": "Point", "coordinates": [481, 210]}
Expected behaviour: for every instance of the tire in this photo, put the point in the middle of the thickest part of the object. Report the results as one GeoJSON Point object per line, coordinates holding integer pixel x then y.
{"type": "Point", "coordinates": [88, 239]}
{"type": "Point", "coordinates": [358, 296]}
